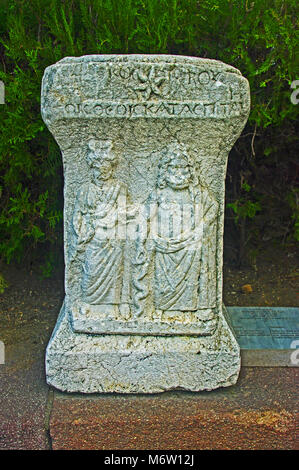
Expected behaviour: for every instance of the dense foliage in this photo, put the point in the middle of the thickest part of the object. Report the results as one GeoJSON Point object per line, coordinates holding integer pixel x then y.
{"type": "Point", "coordinates": [258, 37]}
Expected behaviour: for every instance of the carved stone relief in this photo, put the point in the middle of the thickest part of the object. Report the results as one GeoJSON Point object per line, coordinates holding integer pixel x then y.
{"type": "Point", "coordinates": [145, 141]}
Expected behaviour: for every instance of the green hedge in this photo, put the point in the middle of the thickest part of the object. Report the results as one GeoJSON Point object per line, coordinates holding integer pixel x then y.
{"type": "Point", "coordinates": [258, 37]}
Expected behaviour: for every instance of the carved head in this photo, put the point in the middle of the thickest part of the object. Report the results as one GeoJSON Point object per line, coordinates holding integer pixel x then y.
{"type": "Point", "coordinates": [101, 159]}
{"type": "Point", "coordinates": [176, 168]}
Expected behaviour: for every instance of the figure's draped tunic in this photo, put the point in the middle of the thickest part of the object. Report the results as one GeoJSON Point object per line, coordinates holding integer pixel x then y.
{"type": "Point", "coordinates": [185, 262]}
{"type": "Point", "coordinates": [96, 218]}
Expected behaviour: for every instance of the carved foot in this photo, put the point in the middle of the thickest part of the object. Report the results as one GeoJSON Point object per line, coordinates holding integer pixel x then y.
{"type": "Point", "coordinates": [124, 311]}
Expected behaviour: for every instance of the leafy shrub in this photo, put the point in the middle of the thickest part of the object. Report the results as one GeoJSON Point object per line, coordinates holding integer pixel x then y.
{"type": "Point", "coordinates": [259, 37]}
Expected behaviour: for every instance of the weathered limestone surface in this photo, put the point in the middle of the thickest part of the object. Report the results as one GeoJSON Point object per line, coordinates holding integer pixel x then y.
{"type": "Point", "coordinates": [145, 141]}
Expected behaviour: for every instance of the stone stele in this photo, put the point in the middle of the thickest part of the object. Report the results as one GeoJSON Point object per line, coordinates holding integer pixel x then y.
{"type": "Point", "coordinates": [145, 141]}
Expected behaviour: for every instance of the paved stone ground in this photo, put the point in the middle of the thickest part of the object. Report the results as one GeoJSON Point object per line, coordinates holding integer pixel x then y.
{"type": "Point", "coordinates": [259, 412]}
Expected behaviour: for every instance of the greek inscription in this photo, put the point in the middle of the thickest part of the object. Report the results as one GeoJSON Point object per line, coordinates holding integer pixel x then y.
{"type": "Point", "coordinates": [203, 78]}
{"type": "Point", "coordinates": [148, 109]}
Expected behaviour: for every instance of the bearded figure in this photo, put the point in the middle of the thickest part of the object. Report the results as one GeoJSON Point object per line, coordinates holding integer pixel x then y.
{"type": "Point", "coordinates": [183, 236]}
